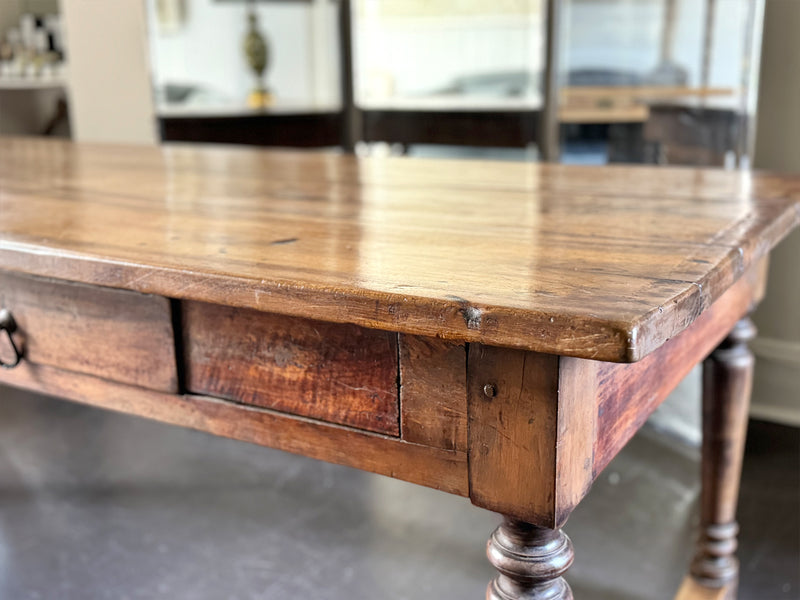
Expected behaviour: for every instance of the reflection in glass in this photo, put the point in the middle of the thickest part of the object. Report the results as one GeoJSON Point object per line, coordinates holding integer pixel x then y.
{"type": "Point", "coordinates": [448, 53]}
{"type": "Point", "coordinates": [648, 81]}
{"type": "Point", "coordinates": [659, 81]}
{"type": "Point", "coordinates": [444, 77]}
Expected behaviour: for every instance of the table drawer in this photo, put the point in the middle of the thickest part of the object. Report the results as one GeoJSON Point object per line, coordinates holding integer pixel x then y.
{"type": "Point", "coordinates": [333, 372]}
{"type": "Point", "coordinates": [118, 335]}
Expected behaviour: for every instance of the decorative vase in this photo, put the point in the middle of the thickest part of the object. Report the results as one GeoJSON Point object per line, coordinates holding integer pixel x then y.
{"type": "Point", "coordinates": [256, 52]}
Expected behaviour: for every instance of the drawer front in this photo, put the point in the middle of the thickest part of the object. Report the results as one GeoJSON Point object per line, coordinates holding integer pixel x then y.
{"type": "Point", "coordinates": [115, 334]}
{"type": "Point", "coordinates": [333, 372]}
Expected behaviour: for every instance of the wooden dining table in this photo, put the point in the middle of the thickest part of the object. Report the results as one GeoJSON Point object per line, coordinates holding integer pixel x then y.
{"type": "Point", "coordinates": [493, 330]}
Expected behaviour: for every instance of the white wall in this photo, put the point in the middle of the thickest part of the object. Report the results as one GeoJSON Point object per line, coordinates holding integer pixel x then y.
{"type": "Point", "coordinates": [406, 50]}
{"type": "Point", "coordinates": [776, 393]}
{"type": "Point", "coordinates": [109, 82]}
{"type": "Point", "coordinates": [626, 34]}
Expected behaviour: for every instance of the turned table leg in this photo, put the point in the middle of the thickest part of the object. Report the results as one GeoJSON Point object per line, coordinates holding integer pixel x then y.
{"type": "Point", "coordinates": [531, 561]}
{"type": "Point", "coordinates": [727, 381]}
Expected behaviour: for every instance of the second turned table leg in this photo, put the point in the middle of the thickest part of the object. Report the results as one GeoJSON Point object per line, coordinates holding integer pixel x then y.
{"type": "Point", "coordinates": [727, 383]}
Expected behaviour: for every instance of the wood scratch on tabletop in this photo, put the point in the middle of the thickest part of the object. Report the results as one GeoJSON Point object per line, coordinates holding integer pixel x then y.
{"type": "Point", "coordinates": [193, 284]}
{"type": "Point", "coordinates": [132, 283]}
{"type": "Point", "coordinates": [282, 242]}
{"type": "Point", "coordinates": [357, 389]}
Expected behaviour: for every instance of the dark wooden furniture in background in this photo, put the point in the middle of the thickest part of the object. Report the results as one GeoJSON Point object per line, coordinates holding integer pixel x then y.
{"type": "Point", "coordinates": [688, 132]}
{"type": "Point", "coordinates": [693, 131]}
{"type": "Point", "coordinates": [493, 330]}
{"type": "Point", "coordinates": [286, 128]}
{"type": "Point", "coordinates": [481, 128]}
{"type": "Point", "coordinates": [306, 128]}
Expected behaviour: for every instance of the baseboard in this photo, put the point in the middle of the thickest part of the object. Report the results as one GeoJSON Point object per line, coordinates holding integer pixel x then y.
{"type": "Point", "coordinates": [776, 414]}
{"type": "Point", "coordinates": [776, 395]}
{"type": "Point", "coordinates": [780, 351]}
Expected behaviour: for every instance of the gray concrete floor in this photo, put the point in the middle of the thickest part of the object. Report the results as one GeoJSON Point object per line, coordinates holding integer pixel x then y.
{"type": "Point", "coordinates": [98, 505]}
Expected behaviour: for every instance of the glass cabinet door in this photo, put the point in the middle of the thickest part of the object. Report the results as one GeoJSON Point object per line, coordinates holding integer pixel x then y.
{"type": "Point", "coordinates": [659, 81]}
{"type": "Point", "coordinates": [581, 81]}
{"type": "Point", "coordinates": [261, 72]}
{"type": "Point", "coordinates": [450, 77]}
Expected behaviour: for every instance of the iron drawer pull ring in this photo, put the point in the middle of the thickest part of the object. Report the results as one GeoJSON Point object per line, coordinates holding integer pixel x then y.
{"type": "Point", "coordinates": [8, 325]}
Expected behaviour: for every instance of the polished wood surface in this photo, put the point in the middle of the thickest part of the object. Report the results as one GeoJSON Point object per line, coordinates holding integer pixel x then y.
{"type": "Point", "coordinates": [115, 334]}
{"type": "Point", "coordinates": [329, 371]}
{"type": "Point", "coordinates": [531, 433]}
{"type": "Point", "coordinates": [542, 428]}
{"type": "Point", "coordinates": [433, 321]}
{"type": "Point", "coordinates": [434, 399]}
{"type": "Point", "coordinates": [433, 392]}
{"type": "Point", "coordinates": [627, 394]}
{"type": "Point", "coordinates": [512, 431]}
{"type": "Point", "coordinates": [604, 263]}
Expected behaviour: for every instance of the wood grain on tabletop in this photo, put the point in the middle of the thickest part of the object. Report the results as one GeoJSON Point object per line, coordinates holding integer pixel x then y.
{"type": "Point", "coordinates": [627, 394]}
{"type": "Point", "coordinates": [603, 263]}
{"type": "Point", "coordinates": [623, 395]}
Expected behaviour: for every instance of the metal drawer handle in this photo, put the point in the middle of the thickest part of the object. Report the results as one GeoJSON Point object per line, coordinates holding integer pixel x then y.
{"type": "Point", "coordinates": [8, 325]}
